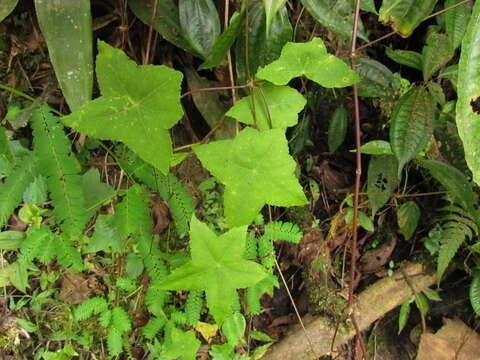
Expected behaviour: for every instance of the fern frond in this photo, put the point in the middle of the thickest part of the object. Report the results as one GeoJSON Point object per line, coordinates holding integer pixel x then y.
{"type": "Point", "coordinates": [105, 318]}
{"type": "Point", "coordinates": [48, 249]}
{"type": "Point", "coordinates": [475, 292]}
{"type": "Point", "coordinates": [12, 189]}
{"type": "Point", "coordinates": [193, 306]}
{"type": "Point", "coordinates": [92, 306]}
{"type": "Point", "coordinates": [67, 255]}
{"type": "Point", "coordinates": [120, 320]}
{"type": "Point", "coordinates": [126, 284]}
{"type": "Point", "coordinates": [180, 204]}
{"type": "Point", "coordinates": [61, 169]}
{"type": "Point", "coordinates": [453, 237]}
{"type": "Point", "coordinates": [155, 298]}
{"type": "Point", "coordinates": [266, 252]}
{"type": "Point", "coordinates": [179, 317]}
{"type": "Point", "coordinates": [35, 244]}
{"type": "Point", "coordinates": [252, 298]}
{"type": "Point", "coordinates": [153, 326]}
{"type": "Point", "coordinates": [251, 247]}
{"type": "Point", "coordinates": [114, 341]}
{"type": "Point", "coordinates": [286, 231]}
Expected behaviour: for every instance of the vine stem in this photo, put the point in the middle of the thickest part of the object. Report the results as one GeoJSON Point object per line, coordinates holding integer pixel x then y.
{"type": "Point", "coordinates": [358, 173]}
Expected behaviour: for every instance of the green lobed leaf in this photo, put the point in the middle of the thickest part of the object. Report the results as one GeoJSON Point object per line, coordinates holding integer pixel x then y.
{"type": "Point", "coordinates": [456, 21]}
{"type": "Point", "coordinates": [407, 218]}
{"type": "Point", "coordinates": [409, 58]}
{"type": "Point", "coordinates": [261, 50]}
{"type": "Point", "coordinates": [223, 43]}
{"type": "Point", "coordinates": [6, 7]}
{"type": "Point", "coordinates": [435, 54]}
{"type": "Point", "coordinates": [312, 60]}
{"type": "Point", "coordinates": [67, 29]}
{"type": "Point", "coordinates": [335, 15]}
{"type": "Point", "coordinates": [269, 110]}
{"type": "Point", "coordinates": [405, 15]}
{"type": "Point", "coordinates": [200, 24]}
{"type": "Point", "coordinates": [381, 180]}
{"type": "Point", "coordinates": [256, 169]}
{"type": "Point", "coordinates": [138, 105]}
{"type": "Point", "coordinates": [337, 129]}
{"type": "Point", "coordinates": [212, 270]}
{"type": "Point", "coordinates": [411, 118]}
{"type": "Point", "coordinates": [467, 114]}
{"type": "Point", "coordinates": [180, 344]}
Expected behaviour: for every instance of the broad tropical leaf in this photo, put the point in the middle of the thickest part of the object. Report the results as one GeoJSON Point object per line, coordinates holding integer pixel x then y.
{"type": "Point", "coordinates": [405, 15]}
{"type": "Point", "coordinates": [456, 21]}
{"type": "Point", "coordinates": [217, 266]}
{"type": "Point", "coordinates": [67, 28]}
{"type": "Point", "coordinates": [312, 60]}
{"type": "Point", "coordinates": [269, 110]}
{"type": "Point", "coordinates": [138, 105]}
{"type": "Point", "coordinates": [411, 117]}
{"type": "Point", "coordinates": [256, 169]}
{"type": "Point", "coordinates": [468, 114]}
{"type": "Point", "coordinates": [405, 57]}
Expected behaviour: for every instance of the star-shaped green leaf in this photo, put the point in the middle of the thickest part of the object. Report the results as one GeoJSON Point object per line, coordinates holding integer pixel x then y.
{"type": "Point", "coordinates": [180, 344]}
{"type": "Point", "coordinates": [256, 169]}
{"type": "Point", "coordinates": [217, 266]}
{"type": "Point", "coordinates": [312, 60]}
{"type": "Point", "coordinates": [137, 107]}
{"type": "Point", "coordinates": [271, 110]}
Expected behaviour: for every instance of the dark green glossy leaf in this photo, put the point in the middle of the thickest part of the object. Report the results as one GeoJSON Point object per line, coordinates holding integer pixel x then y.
{"type": "Point", "coordinates": [468, 110]}
{"type": "Point", "coordinates": [337, 129]}
{"type": "Point", "coordinates": [405, 15]}
{"type": "Point", "coordinates": [381, 180]}
{"type": "Point", "coordinates": [67, 28]}
{"type": "Point", "coordinates": [200, 24]}
{"type": "Point", "coordinates": [436, 53]}
{"type": "Point", "coordinates": [456, 21]}
{"type": "Point", "coordinates": [407, 218]}
{"type": "Point", "coordinates": [261, 51]}
{"type": "Point", "coordinates": [335, 15]}
{"type": "Point", "coordinates": [223, 43]}
{"type": "Point", "coordinates": [6, 7]}
{"type": "Point", "coordinates": [405, 57]}
{"type": "Point", "coordinates": [376, 78]}
{"type": "Point", "coordinates": [411, 117]}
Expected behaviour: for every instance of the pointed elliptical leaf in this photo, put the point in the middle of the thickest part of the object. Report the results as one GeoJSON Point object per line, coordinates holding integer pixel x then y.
{"type": "Point", "coordinates": [312, 60]}
{"type": "Point", "coordinates": [381, 180]}
{"type": "Point", "coordinates": [411, 117]}
{"type": "Point", "coordinates": [468, 114]}
{"type": "Point", "coordinates": [435, 54]}
{"type": "Point", "coordinates": [405, 15]}
{"type": "Point", "coordinates": [407, 218]}
{"type": "Point", "coordinates": [474, 292]}
{"type": "Point", "coordinates": [376, 79]}
{"type": "Point", "coordinates": [409, 58]}
{"type": "Point", "coordinates": [271, 9]}
{"type": "Point", "coordinates": [456, 21]}
{"type": "Point", "coordinates": [217, 266]}
{"type": "Point", "coordinates": [67, 28]}
{"type": "Point", "coordinates": [256, 169]}
{"type": "Point", "coordinates": [6, 7]}
{"type": "Point", "coordinates": [270, 110]}
{"type": "Point", "coordinates": [337, 129]}
{"type": "Point", "coordinates": [138, 105]}
{"type": "Point", "coordinates": [200, 24]}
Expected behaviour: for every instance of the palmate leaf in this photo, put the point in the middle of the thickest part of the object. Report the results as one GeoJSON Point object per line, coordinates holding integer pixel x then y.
{"type": "Point", "coordinates": [256, 169]}
{"type": "Point", "coordinates": [467, 114]}
{"type": "Point", "coordinates": [270, 110]}
{"type": "Point", "coordinates": [312, 60]}
{"type": "Point", "coordinates": [137, 107]}
{"type": "Point", "coordinates": [217, 266]}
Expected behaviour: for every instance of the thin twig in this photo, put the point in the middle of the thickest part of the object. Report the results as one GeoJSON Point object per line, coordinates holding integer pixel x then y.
{"type": "Point", "coordinates": [146, 57]}
{"type": "Point", "coordinates": [218, 88]}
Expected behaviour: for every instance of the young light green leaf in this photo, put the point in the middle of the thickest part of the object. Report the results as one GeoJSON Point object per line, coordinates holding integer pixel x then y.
{"type": "Point", "coordinates": [411, 117]}
{"type": "Point", "coordinates": [456, 21]}
{"type": "Point", "coordinates": [180, 344]}
{"type": "Point", "coordinates": [223, 42]}
{"type": "Point", "coordinates": [454, 181]}
{"type": "Point", "coordinates": [18, 275]}
{"type": "Point", "coordinates": [376, 147]}
{"type": "Point", "coordinates": [256, 169]}
{"type": "Point", "coordinates": [312, 60]}
{"type": "Point", "coordinates": [337, 129]}
{"type": "Point", "coordinates": [422, 303]}
{"type": "Point", "coordinates": [11, 240]}
{"type": "Point", "coordinates": [6, 7]}
{"type": "Point", "coordinates": [404, 315]}
{"type": "Point", "coordinates": [363, 220]}
{"type": "Point", "coordinates": [468, 114]}
{"type": "Point", "coordinates": [36, 192]}
{"type": "Point", "coordinates": [269, 110]}
{"type": "Point", "coordinates": [200, 24]}
{"type": "Point", "coordinates": [435, 54]}
{"type": "Point", "coordinates": [105, 237]}
{"type": "Point", "coordinates": [211, 270]}
{"type": "Point", "coordinates": [67, 28]}
{"type": "Point", "coordinates": [405, 15]}
{"type": "Point", "coordinates": [138, 105]}
{"type": "Point", "coordinates": [407, 218]}
{"type": "Point", "coordinates": [381, 180]}
{"type": "Point", "coordinates": [234, 327]}
{"type": "Point", "coordinates": [96, 192]}
{"type": "Point", "coordinates": [271, 9]}
{"type": "Point", "coordinates": [409, 58]}
{"type": "Point", "coordinates": [432, 294]}
{"type": "Point", "coordinates": [335, 15]}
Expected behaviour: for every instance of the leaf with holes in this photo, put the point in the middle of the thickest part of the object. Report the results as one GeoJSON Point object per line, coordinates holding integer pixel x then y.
{"type": "Point", "coordinates": [411, 117]}
{"type": "Point", "coordinates": [138, 105]}
{"type": "Point", "coordinates": [312, 60]}
{"type": "Point", "coordinates": [210, 270]}
{"type": "Point", "coordinates": [468, 111]}
{"type": "Point", "coordinates": [256, 169]}
{"type": "Point", "coordinates": [407, 218]}
{"type": "Point", "coordinates": [269, 110]}
{"type": "Point", "coordinates": [381, 180]}
{"type": "Point", "coordinates": [405, 15]}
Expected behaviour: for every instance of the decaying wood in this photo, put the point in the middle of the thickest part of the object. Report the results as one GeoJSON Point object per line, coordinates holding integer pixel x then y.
{"type": "Point", "coordinates": [373, 303]}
